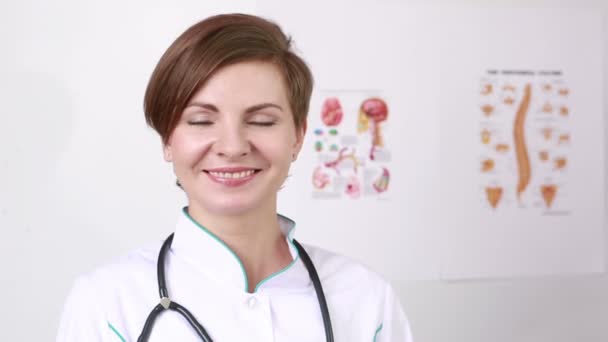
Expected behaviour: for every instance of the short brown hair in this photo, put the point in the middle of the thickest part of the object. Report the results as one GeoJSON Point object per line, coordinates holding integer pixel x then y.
{"type": "Point", "coordinates": [211, 44]}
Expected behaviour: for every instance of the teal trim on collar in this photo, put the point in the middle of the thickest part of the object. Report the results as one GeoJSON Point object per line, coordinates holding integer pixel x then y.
{"type": "Point", "coordinates": [377, 331]}
{"type": "Point", "coordinates": [116, 332]}
{"type": "Point", "coordinates": [290, 239]}
{"type": "Point", "coordinates": [216, 238]}
{"type": "Point", "coordinates": [222, 243]}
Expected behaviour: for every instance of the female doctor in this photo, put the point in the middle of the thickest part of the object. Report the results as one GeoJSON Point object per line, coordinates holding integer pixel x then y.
{"type": "Point", "coordinates": [229, 100]}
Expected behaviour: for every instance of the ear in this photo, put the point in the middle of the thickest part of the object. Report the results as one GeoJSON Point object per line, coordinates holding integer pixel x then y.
{"type": "Point", "coordinates": [167, 153]}
{"type": "Point", "coordinates": [300, 134]}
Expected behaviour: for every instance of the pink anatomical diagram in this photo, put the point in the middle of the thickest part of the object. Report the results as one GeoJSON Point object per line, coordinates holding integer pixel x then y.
{"type": "Point", "coordinates": [372, 112]}
{"type": "Point", "coordinates": [343, 156]}
{"type": "Point", "coordinates": [320, 179]}
{"type": "Point", "coordinates": [353, 189]}
{"type": "Point", "coordinates": [331, 113]}
{"type": "Point", "coordinates": [381, 184]}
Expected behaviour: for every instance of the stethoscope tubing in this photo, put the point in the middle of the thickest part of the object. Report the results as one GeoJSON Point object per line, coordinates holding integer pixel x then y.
{"type": "Point", "coordinates": [167, 304]}
{"type": "Point", "coordinates": [314, 277]}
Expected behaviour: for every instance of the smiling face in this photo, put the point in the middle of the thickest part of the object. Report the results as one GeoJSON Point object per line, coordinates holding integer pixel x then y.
{"type": "Point", "coordinates": [235, 141]}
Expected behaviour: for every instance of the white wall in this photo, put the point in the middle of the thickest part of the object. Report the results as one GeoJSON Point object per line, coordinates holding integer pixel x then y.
{"type": "Point", "coordinates": [557, 309]}
{"type": "Point", "coordinates": [76, 160]}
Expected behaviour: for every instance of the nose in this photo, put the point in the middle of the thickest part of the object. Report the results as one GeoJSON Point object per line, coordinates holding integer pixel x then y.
{"type": "Point", "coordinates": [232, 142]}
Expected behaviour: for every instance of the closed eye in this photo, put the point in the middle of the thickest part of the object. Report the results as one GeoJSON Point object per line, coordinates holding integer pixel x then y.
{"type": "Point", "coordinates": [200, 123]}
{"type": "Point", "coordinates": [262, 123]}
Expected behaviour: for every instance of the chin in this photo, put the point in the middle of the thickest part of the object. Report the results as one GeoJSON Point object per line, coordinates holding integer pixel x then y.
{"type": "Point", "coordinates": [231, 206]}
{"type": "Point", "coordinates": [231, 210]}
{"type": "Point", "coordinates": [233, 202]}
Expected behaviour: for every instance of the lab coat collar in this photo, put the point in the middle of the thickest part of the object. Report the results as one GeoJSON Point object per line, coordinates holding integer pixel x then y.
{"type": "Point", "coordinates": [210, 255]}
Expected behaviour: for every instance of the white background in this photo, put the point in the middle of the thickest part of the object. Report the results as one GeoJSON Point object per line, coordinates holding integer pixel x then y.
{"type": "Point", "coordinates": [82, 179]}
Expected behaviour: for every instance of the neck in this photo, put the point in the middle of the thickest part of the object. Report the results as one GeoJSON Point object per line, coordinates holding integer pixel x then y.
{"type": "Point", "coordinates": [255, 237]}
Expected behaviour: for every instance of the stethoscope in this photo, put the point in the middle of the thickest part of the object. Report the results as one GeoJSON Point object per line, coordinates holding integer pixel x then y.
{"type": "Point", "coordinates": [168, 304]}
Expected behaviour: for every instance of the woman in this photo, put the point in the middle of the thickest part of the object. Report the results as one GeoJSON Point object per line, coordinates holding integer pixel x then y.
{"type": "Point", "coordinates": [229, 100]}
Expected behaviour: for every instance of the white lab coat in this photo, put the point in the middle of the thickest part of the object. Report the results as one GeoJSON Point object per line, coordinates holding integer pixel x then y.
{"type": "Point", "coordinates": [112, 303]}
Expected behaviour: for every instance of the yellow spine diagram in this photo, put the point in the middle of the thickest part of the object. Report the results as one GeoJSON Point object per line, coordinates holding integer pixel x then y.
{"type": "Point", "coordinates": [519, 139]}
{"type": "Point", "coordinates": [525, 138]}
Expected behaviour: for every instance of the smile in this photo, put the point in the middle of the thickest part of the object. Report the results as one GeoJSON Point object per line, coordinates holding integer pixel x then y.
{"type": "Point", "coordinates": [232, 177]}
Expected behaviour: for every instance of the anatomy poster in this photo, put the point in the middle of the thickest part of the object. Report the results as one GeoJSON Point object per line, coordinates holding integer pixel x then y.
{"type": "Point", "coordinates": [364, 179]}
{"type": "Point", "coordinates": [524, 140]}
{"type": "Point", "coordinates": [522, 145]}
{"type": "Point", "coordinates": [352, 156]}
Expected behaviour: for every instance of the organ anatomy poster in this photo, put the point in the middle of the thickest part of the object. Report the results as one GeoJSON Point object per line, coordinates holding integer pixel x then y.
{"type": "Point", "coordinates": [522, 146]}
{"type": "Point", "coordinates": [352, 157]}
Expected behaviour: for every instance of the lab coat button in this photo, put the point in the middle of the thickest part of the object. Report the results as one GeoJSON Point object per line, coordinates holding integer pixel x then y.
{"type": "Point", "coordinates": [251, 302]}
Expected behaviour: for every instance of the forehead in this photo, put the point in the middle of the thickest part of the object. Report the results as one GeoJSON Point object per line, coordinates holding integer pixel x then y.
{"type": "Point", "coordinates": [244, 84]}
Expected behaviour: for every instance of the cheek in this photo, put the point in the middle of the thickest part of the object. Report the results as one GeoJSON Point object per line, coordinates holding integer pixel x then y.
{"type": "Point", "coordinates": [279, 147]}
{"type": "Point", "coordinates": [283, 160]}
{"type": "Point", "coordinates": [188, 149]}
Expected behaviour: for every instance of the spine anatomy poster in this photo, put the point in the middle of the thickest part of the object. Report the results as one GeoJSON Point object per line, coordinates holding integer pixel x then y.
{"type": "Point", "coordinates": [522, 145]}
{"type": "Point", "coordinates": [524, 140]}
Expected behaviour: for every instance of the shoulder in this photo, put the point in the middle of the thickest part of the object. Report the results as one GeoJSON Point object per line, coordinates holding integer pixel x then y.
{"type": "Point", "coordinates": [108, 281]}
{"type": "Point", "coordinates": [97, 294]}
{"type": "Point", "coordinates": [138, 262]}
{"type": "Point", "coordinates": [352, 287]}
{"type": "Point", "coordinates": [339, 270]}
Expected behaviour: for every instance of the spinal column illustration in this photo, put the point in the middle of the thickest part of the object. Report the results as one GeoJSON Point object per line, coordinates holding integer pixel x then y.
{"type": "Point", "coordinates": [376, 110]}
{"type": "Point", "coordinates": [521, 150]}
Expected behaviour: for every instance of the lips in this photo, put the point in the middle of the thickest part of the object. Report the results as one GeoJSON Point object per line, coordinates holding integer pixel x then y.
{"type": "Point", "coordinates": [232, 176]}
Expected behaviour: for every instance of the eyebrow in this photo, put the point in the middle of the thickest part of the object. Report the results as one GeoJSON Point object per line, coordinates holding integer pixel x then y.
{"type": "Point", "coordinates": [252, 109]}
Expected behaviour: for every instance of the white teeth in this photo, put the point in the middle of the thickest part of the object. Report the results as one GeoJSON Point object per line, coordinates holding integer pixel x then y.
{"type": "Point", "coordinates": [232, 175]}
